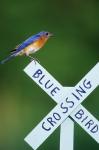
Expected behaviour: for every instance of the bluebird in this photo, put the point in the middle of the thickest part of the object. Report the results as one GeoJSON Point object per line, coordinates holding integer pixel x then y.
{"type": "Point", "coordinates": [29, 46]}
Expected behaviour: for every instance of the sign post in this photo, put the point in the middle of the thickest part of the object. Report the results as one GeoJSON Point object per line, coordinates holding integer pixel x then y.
{"type": "Point", "coordinates": [68, 104]}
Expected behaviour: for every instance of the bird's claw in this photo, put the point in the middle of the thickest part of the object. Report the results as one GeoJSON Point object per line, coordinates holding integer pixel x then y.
{"type": "Point", "coordinates": [34, 59]}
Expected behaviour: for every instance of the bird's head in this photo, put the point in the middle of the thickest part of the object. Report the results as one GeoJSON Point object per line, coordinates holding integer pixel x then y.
{"type": "Point", "coordinates": [46, 34]}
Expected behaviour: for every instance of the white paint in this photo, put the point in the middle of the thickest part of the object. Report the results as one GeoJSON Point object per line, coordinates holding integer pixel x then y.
{"type": "Point", "coordinates": [83, 122]}
{"type": "Point", "coordinates": [67, 135]}
{"type": "Point", "coordinates": [38, 135]}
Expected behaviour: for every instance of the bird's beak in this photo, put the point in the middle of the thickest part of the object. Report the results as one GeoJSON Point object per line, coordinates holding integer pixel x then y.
{"type": "Point", "coordinates": [51, 34]}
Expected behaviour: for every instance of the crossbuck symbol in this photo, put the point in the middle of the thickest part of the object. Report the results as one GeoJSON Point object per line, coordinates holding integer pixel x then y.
{"type": "Point", "coordinates": [68, 101]}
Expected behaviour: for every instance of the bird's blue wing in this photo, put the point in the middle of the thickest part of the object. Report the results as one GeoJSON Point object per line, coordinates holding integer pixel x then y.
{"type": "Point", "coordinates": [27, 42]}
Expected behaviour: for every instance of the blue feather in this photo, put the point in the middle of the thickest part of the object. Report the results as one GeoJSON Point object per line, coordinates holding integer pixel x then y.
{"type": "Point", "coordinates": [29, 41]}
{"type": "Point", "coordinates": [23, 45]}
{"type": "Point", "coordinates": [7, 59]}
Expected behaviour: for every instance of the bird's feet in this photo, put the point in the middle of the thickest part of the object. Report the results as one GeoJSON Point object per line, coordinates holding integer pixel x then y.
{"type": "Point", "coordinates": [34, 59]}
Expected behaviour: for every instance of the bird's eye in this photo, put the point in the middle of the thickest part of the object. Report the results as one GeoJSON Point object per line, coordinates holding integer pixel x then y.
{"type": "Point", "coordinates": [46, 33]}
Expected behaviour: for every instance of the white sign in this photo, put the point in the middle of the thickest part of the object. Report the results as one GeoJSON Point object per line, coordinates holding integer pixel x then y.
{"type": "Point", "coordinates": [67, 102]}
{"type": "Point", "coordinates": [67, 135]}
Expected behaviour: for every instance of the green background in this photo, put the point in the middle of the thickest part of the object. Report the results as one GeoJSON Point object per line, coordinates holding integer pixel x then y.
{"type": "Point", "coordinates": [68, 56]}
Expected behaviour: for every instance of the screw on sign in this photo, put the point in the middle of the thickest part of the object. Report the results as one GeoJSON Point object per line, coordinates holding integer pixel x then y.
{"type": "Point", "coordinates": [68, 101]}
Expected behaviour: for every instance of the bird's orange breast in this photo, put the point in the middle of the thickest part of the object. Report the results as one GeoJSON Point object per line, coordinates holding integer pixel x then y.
{"type": "Point", "coordinates": [35, 46]}
{"type": "Point", "coordinates": [40, 42]}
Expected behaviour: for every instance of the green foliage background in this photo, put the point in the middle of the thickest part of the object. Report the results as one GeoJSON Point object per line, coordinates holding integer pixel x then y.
{"type": "Point", "coordinates": [68, 56]}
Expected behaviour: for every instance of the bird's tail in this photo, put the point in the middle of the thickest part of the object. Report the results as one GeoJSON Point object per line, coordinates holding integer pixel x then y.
{"type": "Point", "coordinates": [7, 59]}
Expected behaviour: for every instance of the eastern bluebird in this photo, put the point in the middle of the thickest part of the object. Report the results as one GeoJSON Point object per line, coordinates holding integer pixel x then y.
{"type": "Point", "coordinates": [29, 46]}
